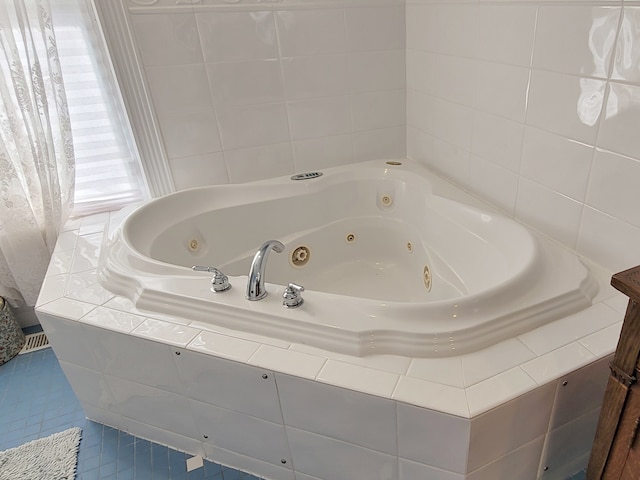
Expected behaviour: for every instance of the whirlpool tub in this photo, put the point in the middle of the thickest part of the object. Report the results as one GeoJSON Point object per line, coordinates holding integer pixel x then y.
{"type": "Point", "coordinates": [392, 258]}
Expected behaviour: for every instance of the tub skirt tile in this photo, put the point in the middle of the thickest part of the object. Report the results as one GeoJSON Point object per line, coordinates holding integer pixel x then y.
{"type": "Point", "coordinates": [509, 426]}
{"type": "Point", "coordinates": [338, 413]}
{"type": "Point", "coordinates": [248, 464]}
{"type": "Point", "coordinates": [433, 438]}
{"type": "Point", "coordinates": [522, 464]}
{"type": "Point", "coordinates": [338, 459]}
{"type": "Point", "coordinates": [413, 470]}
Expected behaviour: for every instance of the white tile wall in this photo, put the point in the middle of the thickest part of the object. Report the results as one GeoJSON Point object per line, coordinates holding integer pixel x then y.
{"type": "Point", "coordinates": [563, 80]}
{"type": "Point", "coordinates": [509, 99]}
{"type": "Point", "coordinates": [239, 92]}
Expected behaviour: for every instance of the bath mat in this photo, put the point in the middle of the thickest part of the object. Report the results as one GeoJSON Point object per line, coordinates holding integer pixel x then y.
{"type": "Point", "coordinates": [50, 458]}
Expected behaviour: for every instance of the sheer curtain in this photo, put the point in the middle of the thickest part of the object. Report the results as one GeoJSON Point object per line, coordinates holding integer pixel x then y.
{"type": "Point", "coordinates": [36, 148]}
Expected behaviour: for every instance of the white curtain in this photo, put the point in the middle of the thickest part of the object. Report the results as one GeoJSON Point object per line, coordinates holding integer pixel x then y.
{"type": "Point", "coordinates": [36, 148]}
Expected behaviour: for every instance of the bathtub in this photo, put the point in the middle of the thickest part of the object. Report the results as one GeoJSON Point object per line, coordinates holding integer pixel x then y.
{"type": "Point", "coordinates": [393, 260]}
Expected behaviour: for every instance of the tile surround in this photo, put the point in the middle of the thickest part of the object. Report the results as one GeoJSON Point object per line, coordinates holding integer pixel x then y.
{"type": "Point", "coordinates": [230, 78]}
{"type": "Point", "coordinates": [564, 73]}
{"type": "Point", "coordinates": [479, 396]}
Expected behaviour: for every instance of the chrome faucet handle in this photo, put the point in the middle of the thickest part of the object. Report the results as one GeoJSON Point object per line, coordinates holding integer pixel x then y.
{"type": "Point", "coordinates": [219, 281]}
{"type": "Point", "coordinates": [292, 296]}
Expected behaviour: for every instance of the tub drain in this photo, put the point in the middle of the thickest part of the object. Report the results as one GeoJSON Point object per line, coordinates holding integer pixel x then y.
{"type": "Point", "coordinates": [300, 256]}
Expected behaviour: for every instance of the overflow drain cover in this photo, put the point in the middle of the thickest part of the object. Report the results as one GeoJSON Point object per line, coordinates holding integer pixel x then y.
{"type": "Point", "coordinates": [306, 176]}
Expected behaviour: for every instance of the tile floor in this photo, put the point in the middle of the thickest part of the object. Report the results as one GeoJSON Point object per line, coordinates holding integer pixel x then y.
{"type": "Point", "coordinates": [36, 400]}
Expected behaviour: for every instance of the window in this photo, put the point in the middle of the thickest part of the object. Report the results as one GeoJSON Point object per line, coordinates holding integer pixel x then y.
{"type": "Point", "coordinates": [108, 173]}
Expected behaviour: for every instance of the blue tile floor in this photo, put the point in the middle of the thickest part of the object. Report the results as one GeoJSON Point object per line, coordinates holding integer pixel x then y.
{"type": "Point", "coordinates": [36, 400]}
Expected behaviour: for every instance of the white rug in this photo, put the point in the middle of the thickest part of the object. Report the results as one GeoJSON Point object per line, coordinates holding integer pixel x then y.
{"type": "Point", "coordinates": [50, 458]}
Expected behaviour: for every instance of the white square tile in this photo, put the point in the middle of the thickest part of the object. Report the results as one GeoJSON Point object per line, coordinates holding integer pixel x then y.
{"type": "Point", "coordinates": [383, 70]}
{"type": "Point", "coordinates": [236, 36]}
{"type": "Point", "coordinates": [229, 430]}
{"type": "Point", "coordinates": [228, 384]}
{"type": "Point", "coordinates": [253, 125]}
{"type": "Point", "coordinates": [496, 184]}
{"type": "Point", "coordinates": [320, 117]}
{"type": "Point", "coordinates": [497, 140]}
{"type": "Point", "coordinates": [568, 442]}
{"type": "Point", "coordinates": [190, 133]}
{"type": "Point", "coordinates": [89, 386]}
{"type": "Point", "coordinates": [167, 39]}
{"type": "Point", "coordinates": [566, 330]}
{"type": "Point", "coordinates": [454, 123]}
{"type": "Point", "coordinates": [383, 143]}
{"type": "Point", "coordinates": [66, 240]}
{"type": "Point", "coordinates": [552, 213]}
{"type": "Point", "coordinates": [493, 391]}
{"type": "Point", "coordinates": [259, 163]}
{"type": "Point", "coordinates": [565, 104]}
{"type": "Point", "coordinates": [433, 438]}
{"type": "Point", "coordinates": [128, 357]}
{"type": "Point", "coordinates": [625, 66]}
{"type": "Point", "coordinates": [323, 152]}
{"type": "Point", "coordinates": [338, 457]}
{"type": "Point", "coordinates": [287, 361]}
{"type": "Point", "coordinates": [52, 289]}
{"type": "Point", "coordinates": [246, 83]}
{"type": "Point", "coordinates": [68, 339]}
{"type": "Point", "coordinates": [112, 319]}
{"type": "Point", "coordinates": [509, 426]}
{"type": "Point", "coordinates": [446, 370]}
{"type": "Point", "coordinates": [152, 406]}
{"type": "Point", "coordinates": [95, 294]}
{"type": "Point", "coordinates": [608, 241]}
{"type": "Point", "coordinates": [580, 392]}
{"type": "Point", "coordinates": [435, 396]}
{"type": "Point", "coordinates": [573, 52]}
{"type": "Point", "coordinates": [248, 464]}
{"type": "Point", "coordinates": [338, 413]}
{"type": "Point", "coordinates": [311, 32]}
{"type": "Point", "coordinates": [316, 76]}
{"type": "Point", "coordinates": [165, 332]}
{"type": "Point", "coordinates": [66, 308]}
{"type": "Point", "coordinates": [557, 363]}
{"type": "Point", "coordinates": [443, 28]}
{"type": "Point", "coordinates": [356, 377]}
{"type": "Point", "coordinates": [501, 90]}
{"type": "Point", "coordinates": [382, 109]}
{"type": "Point", "coordinates": [612, 188]}
{"type": "Point", "coordinates": [451, 160]}
{"type": "Point", "coordinates": [498, 358]}
{"type": "Point", "coordinates": [521, 464]}
{"type": "Point", "coordinates": [198, 170]}
{"type": "Point", "coordinates": [556, 162]}
{"type": "Point", "coordinates": [619, 302]}
{"type": "Point", "coordinates": [179, 89]}
{"type": "Point", "coordinates": [603, 342]}
{"type": "Point", "coordinates": [505, 33]}
{"type": "Point", "coordinates": [411, 470]}
{"type": "Point", "coordinates": [444, 76]}
{"type": "Point", "coordinates": [420, 146]}
{"type": "Point", "coordinates": [375, 28]}
{"type": "Point", "coordinates": [224, 346]}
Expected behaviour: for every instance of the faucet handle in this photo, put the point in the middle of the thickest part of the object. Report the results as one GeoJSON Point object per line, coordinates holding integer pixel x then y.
{"type": "Point", "coordinates": [219, 282]}
{"type": "Point", "coordinates": [292, 296]}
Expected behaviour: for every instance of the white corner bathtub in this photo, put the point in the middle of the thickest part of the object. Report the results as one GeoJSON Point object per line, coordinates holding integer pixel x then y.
{"type": "Point", "coordinates": [397, 261]}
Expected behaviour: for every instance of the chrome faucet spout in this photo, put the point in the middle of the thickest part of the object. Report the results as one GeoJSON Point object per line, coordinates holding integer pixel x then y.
{"type": "Point", "coordinates": [255, 285]}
